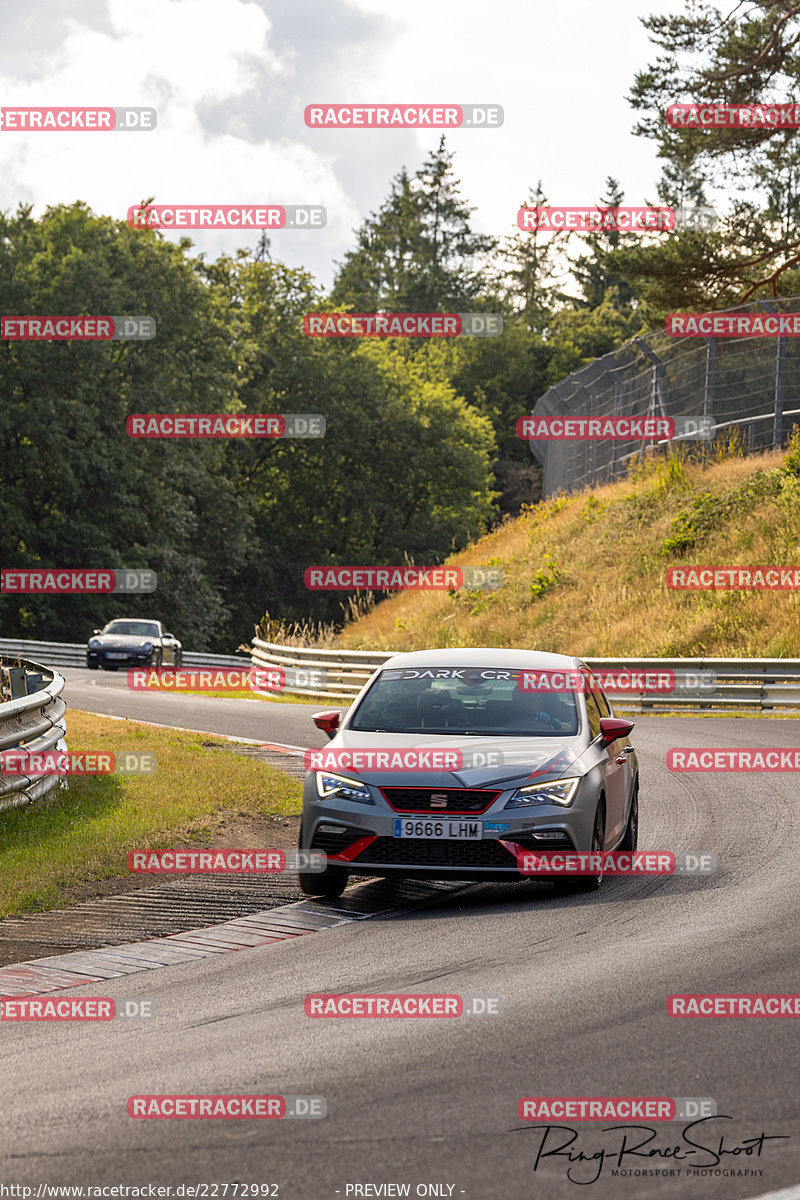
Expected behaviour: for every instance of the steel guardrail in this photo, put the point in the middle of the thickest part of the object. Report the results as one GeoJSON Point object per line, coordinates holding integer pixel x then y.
{"type": "Point", "coordinates": [757, 684]}
{"type": "Point", "coordinates": [37, 722]}
{"type": "Point", "coordinates": [73, 654]}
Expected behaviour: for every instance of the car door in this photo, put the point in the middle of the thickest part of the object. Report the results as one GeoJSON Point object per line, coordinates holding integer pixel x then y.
{"type": "Point", "coordinates": [624, 751]}
{"type": "Point", "coordinates": [616, 767]}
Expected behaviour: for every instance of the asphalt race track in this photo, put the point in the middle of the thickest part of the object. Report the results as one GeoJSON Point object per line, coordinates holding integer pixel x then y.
{"type": "Point", "coordinates": [108, 692]}
{"type": "Point", "coordinates": [420, 1102]}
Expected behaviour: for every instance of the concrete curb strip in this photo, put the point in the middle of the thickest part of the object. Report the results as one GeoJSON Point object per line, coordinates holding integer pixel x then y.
{"type": "Point", "coordinates": [60, 971]}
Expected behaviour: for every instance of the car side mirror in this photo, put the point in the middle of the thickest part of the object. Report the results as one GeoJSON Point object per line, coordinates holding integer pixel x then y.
{"type": "Point", "coordinates": [327, 721]}
{"type": "Point", "coordinates": [94, 631]}
{"type": "Point", "coordinates": [171, 636]}
{"type": "Point", "coordinates": [612, 728]}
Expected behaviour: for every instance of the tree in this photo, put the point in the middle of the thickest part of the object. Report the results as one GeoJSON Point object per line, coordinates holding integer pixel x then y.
{"type": "Point", "coordinates": [76, 490]}
{"type": "Point", "coordinates": [404, 468]}
{"type": "Point", "coordinates": [418, 253]}
{"type": "Point", "coordinates": [750, 55]}
{"type": "Point", "coordinates": [532, 262]}
{"type": "Point", "coordinates": [595, 272]}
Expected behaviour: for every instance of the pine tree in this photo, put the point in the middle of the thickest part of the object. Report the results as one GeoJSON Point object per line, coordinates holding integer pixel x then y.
{"type": "Point", "coordinates": [418, 253]}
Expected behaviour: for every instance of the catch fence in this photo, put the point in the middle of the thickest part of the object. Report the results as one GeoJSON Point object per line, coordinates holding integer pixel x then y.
{"type": "Point", "coordinates": [746, 383]}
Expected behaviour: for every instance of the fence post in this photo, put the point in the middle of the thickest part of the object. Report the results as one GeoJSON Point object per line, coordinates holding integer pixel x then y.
{"type": "Point", "coordinates": [616, 411]}
{"type": "Point", "coordinates": [593, 412]}
{"type": "Point", "coordinates": [708, 390]}
{"type": "Point", "coordinates": [780, 363]}
{"type": "Point", "coordinates": [656, 383]}
{"type": "Point", "coordinates": [708, 385]}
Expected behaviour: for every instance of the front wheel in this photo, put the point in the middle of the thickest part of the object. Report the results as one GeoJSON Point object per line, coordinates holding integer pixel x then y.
{"type": "Point", "coordinates": [329, 883]}
{"type": "Point", "coordinates": [570, 884]}
{"type": "Point", "coordinates": [92, 665]}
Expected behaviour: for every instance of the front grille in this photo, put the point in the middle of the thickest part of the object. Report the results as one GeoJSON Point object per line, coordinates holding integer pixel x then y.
{"type": "Point", "coordinates": [459, 800]}
{"type": "Point", "coordinates": [422, 852]}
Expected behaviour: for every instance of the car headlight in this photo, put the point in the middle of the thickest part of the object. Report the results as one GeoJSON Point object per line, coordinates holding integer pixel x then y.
{"type": "Point", "coordinates": [345, 789]}
{"type": "Point", "coordinates": [94, 642]}
{"type": "Point", "coordinates": [148, 646]}
{"type": "Point", "coordinates": [557, 791]}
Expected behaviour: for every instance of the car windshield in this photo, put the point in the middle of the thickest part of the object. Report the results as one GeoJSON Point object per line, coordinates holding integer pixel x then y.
{"type": "Point", "coordinates": [463, 700]}
{"type": "Point", "coordinates": [145, 629]}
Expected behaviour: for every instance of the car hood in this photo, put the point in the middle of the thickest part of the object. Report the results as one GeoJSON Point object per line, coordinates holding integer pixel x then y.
{"type": "Point", "coordinates": [514, 758]}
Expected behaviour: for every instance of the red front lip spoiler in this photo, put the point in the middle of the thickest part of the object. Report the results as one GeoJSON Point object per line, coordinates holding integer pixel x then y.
{"type": "Point", "coordinates": [515, 849]}
{"type": "Point", "coordinates": [353, 851]}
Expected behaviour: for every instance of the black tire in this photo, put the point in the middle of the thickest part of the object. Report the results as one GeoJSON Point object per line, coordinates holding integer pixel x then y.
{"type": "Point", "coordinates": [157, 660]}
{"type": "Point", "coordinates": [630, 837]}
{"type": "Point", "coordinates": [92, 666]}
{"type": "Point", "coordinates": [329, 884]}
{"type": "Point", "coordinates": [179, 660]}
{"type": "Point", "coordinates": [571, 884]}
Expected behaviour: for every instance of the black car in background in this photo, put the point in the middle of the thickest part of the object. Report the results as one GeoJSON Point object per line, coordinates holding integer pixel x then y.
{"type": "Point", "coordinates": [130, 642]}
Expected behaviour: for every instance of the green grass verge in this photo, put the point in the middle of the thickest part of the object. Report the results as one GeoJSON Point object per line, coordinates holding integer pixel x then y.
{"type": "Point", "coordinates": [85, 833]}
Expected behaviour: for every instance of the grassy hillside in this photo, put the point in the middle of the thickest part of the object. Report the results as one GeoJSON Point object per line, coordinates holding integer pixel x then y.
{"type": "Point", "coordinates": [585, 574]}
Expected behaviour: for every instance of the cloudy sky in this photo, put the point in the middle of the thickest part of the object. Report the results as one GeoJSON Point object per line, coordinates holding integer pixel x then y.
{"type": "Point", "coordinates": [230, 80]}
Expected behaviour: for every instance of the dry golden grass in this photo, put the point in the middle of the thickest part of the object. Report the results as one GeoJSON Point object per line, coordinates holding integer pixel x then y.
{"type": "Point", "coordinates": [585, 574]}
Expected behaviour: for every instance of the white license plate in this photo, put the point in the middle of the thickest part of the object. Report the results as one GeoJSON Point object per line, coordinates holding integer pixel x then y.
{"type": "Point", "coordinates": [405, 827]}
{"type": "Point", "coordinates": [116, 656]}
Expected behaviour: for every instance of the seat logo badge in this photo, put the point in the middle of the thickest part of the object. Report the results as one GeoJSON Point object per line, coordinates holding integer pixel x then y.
{"type": "Point", "coordinates": [438, 800]}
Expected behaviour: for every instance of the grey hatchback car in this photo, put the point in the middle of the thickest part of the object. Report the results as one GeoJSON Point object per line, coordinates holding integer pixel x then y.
{"type": "Point", "coordinates": [455, 764]}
